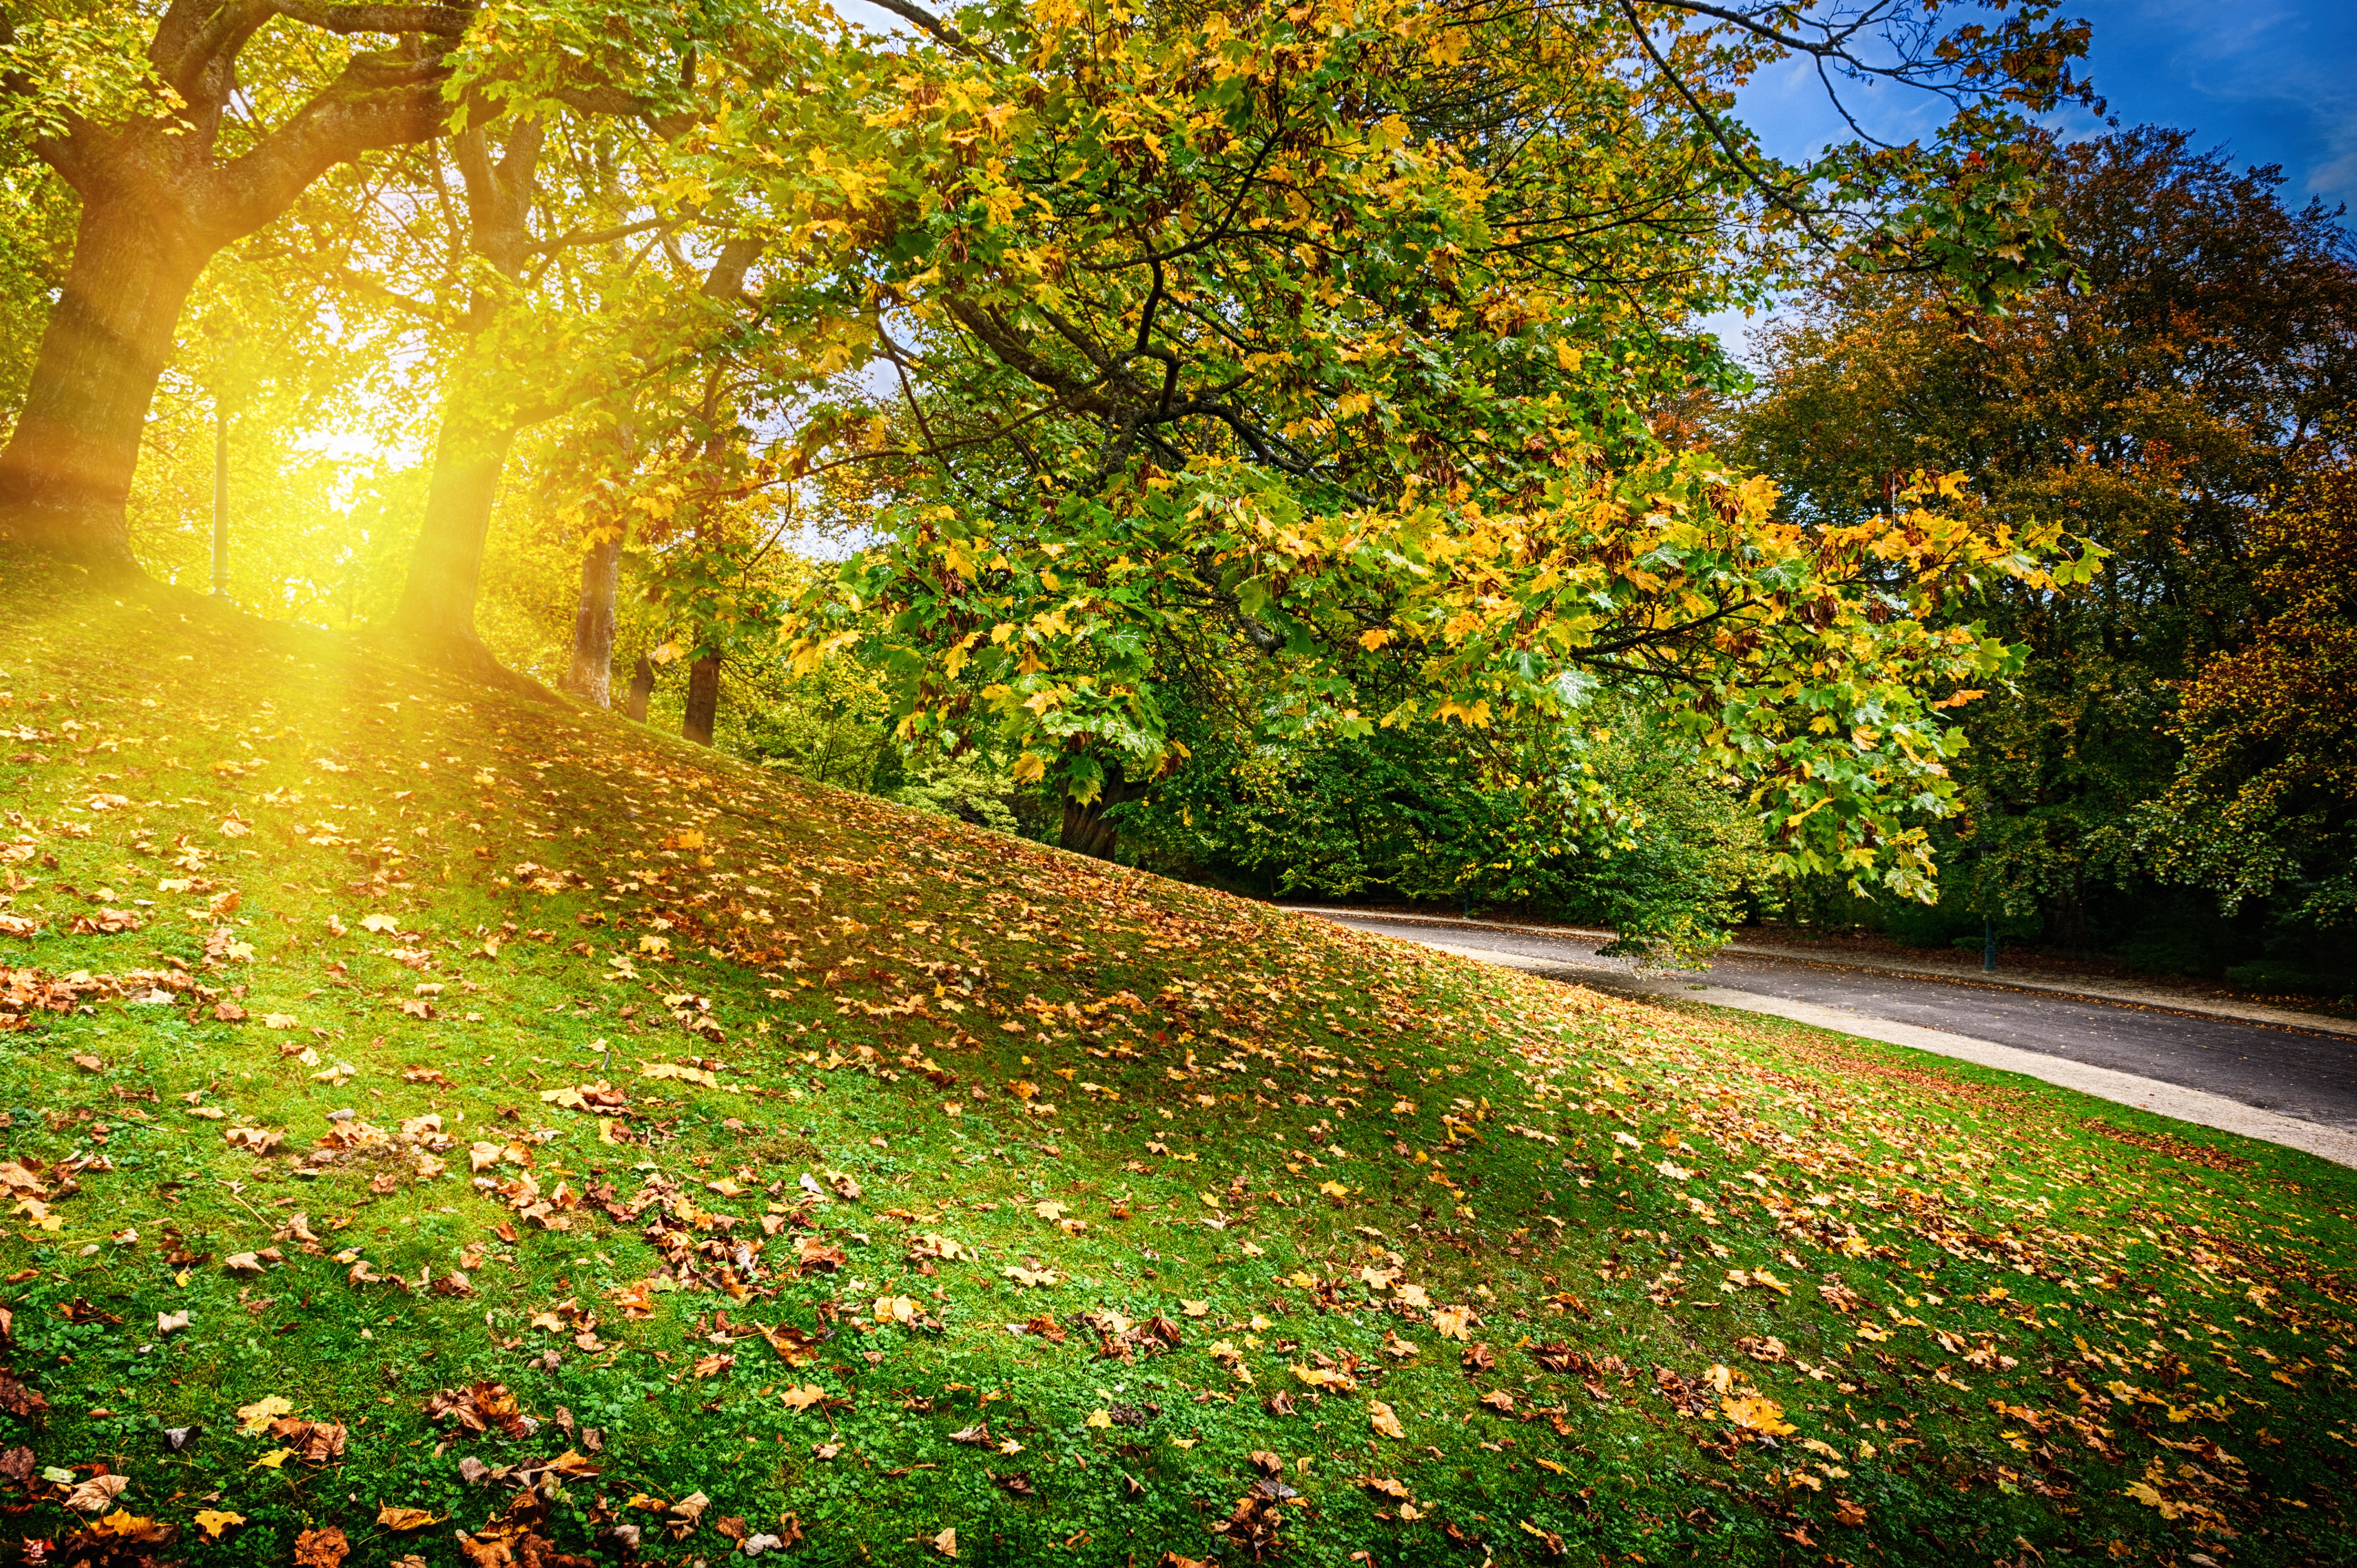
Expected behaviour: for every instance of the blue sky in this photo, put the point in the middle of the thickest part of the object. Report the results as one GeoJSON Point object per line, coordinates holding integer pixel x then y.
{"type": "Point", "coordinates": [2274, 81]}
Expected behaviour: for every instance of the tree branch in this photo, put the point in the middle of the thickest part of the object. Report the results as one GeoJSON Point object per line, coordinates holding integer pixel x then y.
{"type": "Point", "coordinates": [1775, 195]}
{"type": "Point", "coordinates": [918, 17]}
{"type": "Point", "coordinates": [441, 21]}
{"type": "Point", "coordinates": [378, 101]}
{"type": "Point", "coordinates": [668, 124]}
{"type": "Point", "coordinates": [68, 155]}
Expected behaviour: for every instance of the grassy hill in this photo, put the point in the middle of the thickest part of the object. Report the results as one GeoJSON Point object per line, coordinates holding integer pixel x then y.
{"type": "Point", "coordinates": [450, 1126]}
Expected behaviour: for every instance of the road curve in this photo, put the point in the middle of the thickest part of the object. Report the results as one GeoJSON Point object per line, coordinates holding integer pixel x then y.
{"type": "Point", "coordinates": [2309, 1077]}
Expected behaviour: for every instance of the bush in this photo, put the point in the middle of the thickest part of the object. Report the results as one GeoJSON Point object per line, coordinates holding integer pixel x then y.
{"type": "Point", "coordinates": [2272, 974]}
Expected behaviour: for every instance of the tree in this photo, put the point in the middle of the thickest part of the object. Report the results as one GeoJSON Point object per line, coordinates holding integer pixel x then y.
{"type": "Point", "coordinates": [2152, 401]}
{"type": "Point", "coordinates": [1602, 815]}
{"type": "Point", "coordinates": [515, 370]}
{"type": "Point", "coordinates": [1305, 332]}
{"type": "Point", "coordinates": [2264, 802]}
{"type": "Point", "coordinates": [168, 174]}
{"type": "Point", "coordinates": [167, 178]}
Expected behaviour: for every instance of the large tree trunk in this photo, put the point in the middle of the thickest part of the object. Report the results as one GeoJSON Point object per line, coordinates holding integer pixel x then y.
{"type": "Point", "coordinates": [156, 204]}
{"type": "Point", "coordinates": [438, 603]}
{"type": "Point", "coordinates": [642, 687]}
{"type": "Point", "coordinates": [66, 472]}
{"type": "Point", "coordinates": [592, 674]}
{"type": "Point", "coordinates": [703, 700]}
{"type": "Point", "coordinates": [1086, 829]}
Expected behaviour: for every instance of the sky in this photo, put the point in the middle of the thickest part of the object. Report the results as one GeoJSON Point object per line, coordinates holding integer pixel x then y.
{"type": "Point", "coordinates": [2271, 81]}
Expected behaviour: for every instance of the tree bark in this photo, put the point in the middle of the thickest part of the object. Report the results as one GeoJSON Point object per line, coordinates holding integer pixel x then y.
{"type": "Point", "coordinates": [592, 674]}
{"type": "Point", "coordinates": [437, 602]}
{"type": "Point", "coordinates": [1086, 830]}
{"type": "Point", "coordinates": [157, 203]}
{"type": "Point", "coordinates": [478, 412]}
{"type": "Point", "coordinates": [703, 700]}
{"type": "Point", "coordinates": [642, 686]}
{"type": "Point", "coordinates": [66, 472]}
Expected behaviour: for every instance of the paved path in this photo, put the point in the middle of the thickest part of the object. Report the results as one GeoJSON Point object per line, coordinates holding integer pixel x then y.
{"type": "Point", "coordinates": [2289, 1085]}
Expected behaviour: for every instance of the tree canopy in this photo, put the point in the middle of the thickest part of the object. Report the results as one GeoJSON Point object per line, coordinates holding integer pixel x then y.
{"type": "Point", "coordinates": [2182, 380]}
{"type": "Point", "coordinates": [1343, 340]}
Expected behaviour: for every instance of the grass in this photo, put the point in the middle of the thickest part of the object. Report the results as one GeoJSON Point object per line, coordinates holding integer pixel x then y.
{"type": "Point", "coordinates": [1182, 1225]}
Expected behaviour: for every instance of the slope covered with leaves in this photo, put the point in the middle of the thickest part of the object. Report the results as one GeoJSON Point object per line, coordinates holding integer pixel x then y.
{"type": "Point", "coordinates": [450, 1127]}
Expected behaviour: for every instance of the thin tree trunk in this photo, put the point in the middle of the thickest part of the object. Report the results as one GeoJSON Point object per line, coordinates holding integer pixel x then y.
{"type": "Point", "coordinates": [592, 674]}
{"type": "Point", "coordinates": [479, 409]}
{"type": "Point", "coordinates": [642, 686]}
{"type": "Point", "coordinates": [703, 700]}
{"type": "Point", "coordinates": [66, 473]}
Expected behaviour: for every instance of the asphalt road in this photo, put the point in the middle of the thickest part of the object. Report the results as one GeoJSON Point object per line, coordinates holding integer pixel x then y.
{"type": "Point", "coordinates": [2290, 1071]}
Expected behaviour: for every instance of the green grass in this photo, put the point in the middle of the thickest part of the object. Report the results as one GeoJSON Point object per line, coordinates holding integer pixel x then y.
{"type": "Point", "coordinates": [1572, 1245]}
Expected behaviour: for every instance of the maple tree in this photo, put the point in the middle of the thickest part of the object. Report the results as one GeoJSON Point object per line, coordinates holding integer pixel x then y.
{"type": "Point", "coordinates": [137, 115]}
{"type": "Point", "coordinates": [1306, 335]}
{"type": "Point", "coordinates": [140, 126]}
{"type": "Point", "coordinates": [2264, 802]}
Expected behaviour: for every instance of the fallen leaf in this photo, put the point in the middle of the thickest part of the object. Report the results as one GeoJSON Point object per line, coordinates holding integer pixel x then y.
{"type": "Point", "coordinates": [321, 1548]}
{"type": "Point", "coordinates": [1754, 1414]}
{"type": "Point", "coordinates": [1381, 1417]}
{"type": "Point", "coordinates": [406, 1519]}
{"type": "Point", "coordinates": [97, 1494]}
{"type": "Point", "coordinates": [212, 1521]}
{"type": "Point", "coordinates": [254, 1419]}
{"type": "Point", "coordinates": [946, 1542]}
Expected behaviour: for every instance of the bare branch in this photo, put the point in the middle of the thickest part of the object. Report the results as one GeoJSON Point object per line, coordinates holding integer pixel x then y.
{"type": "Point", "coordinates": [1776, 195]}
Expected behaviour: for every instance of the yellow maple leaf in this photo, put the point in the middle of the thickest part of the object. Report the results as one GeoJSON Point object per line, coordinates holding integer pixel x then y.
{"type": "Point", "coordinates": [253, 1419]}
{"type": "Point", "coordinates": [1754, 1414]}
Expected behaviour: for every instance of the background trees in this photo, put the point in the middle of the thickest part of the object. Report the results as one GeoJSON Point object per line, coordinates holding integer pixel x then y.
{"type": "Point", "coordinates": [2154, 402]}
